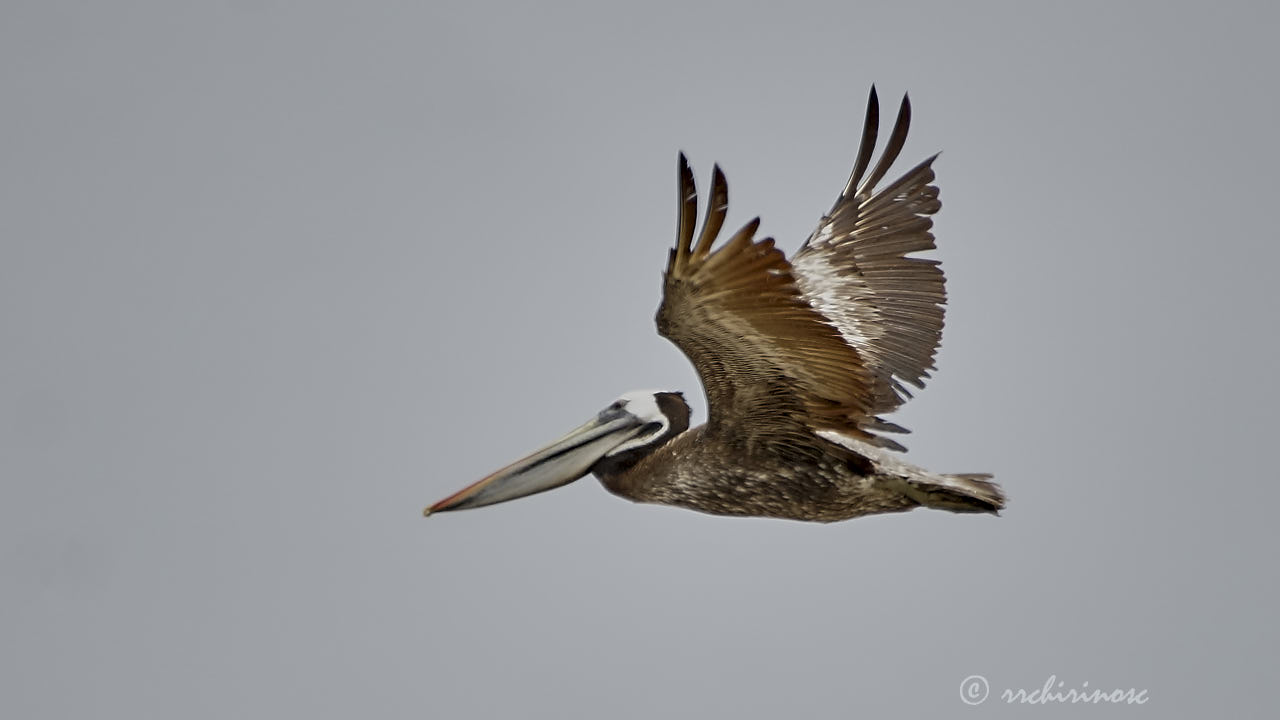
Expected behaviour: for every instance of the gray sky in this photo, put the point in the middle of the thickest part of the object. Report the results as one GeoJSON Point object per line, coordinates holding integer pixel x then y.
{"type": "Point", "coordinates": [273, 276]}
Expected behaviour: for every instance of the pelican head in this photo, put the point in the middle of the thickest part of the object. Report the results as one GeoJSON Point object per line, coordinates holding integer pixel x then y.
{"type": "Point", "coordinates": [631, 427]}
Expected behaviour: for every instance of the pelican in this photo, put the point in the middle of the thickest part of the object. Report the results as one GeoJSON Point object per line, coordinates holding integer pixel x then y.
{"type": "Point", "coordinates": [799, 360]}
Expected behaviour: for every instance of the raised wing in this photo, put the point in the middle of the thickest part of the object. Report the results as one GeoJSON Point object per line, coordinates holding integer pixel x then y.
{"type": "Point", "coordinates": [854, 268]}
{"type": "Point", "coordinates": [773, 368]}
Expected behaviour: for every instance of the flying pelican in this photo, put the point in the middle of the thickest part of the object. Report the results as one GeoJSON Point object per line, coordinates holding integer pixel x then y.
{"type": "Point", "coordinates": [798, 360]}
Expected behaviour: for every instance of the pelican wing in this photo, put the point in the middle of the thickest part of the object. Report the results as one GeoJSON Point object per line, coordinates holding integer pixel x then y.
{"type": "Point", "coordinates": [773, 367]}
{"type": "Point", "coordinates": [854, 268]}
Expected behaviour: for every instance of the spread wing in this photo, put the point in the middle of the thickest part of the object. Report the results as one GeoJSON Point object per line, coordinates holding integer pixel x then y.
{"type": "Point", "coordinates": [854, 269]}
{"type": "Point", "coordinates": [773, 367]}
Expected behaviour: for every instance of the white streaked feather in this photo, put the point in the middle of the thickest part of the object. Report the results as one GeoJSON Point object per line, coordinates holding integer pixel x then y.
{"type": "Point", "coordinates": [837, 298]}
{"type": "Point", "coordinates": [884, 461]}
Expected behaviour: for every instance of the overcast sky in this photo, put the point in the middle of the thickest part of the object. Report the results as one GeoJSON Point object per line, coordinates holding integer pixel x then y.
{"type": "Point", "coordinates": [274, 276]}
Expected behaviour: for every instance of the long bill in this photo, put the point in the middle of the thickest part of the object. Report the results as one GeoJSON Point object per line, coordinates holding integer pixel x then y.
{"type": "Point", "coordinates": [559, 463]}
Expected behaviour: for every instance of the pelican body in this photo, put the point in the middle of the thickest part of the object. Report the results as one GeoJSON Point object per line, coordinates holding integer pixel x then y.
{"type": "Point", "coordinates": [799, 359]}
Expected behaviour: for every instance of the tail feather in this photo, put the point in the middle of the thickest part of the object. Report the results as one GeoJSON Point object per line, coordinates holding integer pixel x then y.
{"type": "Point", "coordinates": [964, 493]}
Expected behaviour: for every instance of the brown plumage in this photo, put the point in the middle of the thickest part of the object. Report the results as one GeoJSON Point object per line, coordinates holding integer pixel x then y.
{"type": "Point", "coordinates": [798, 359]}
